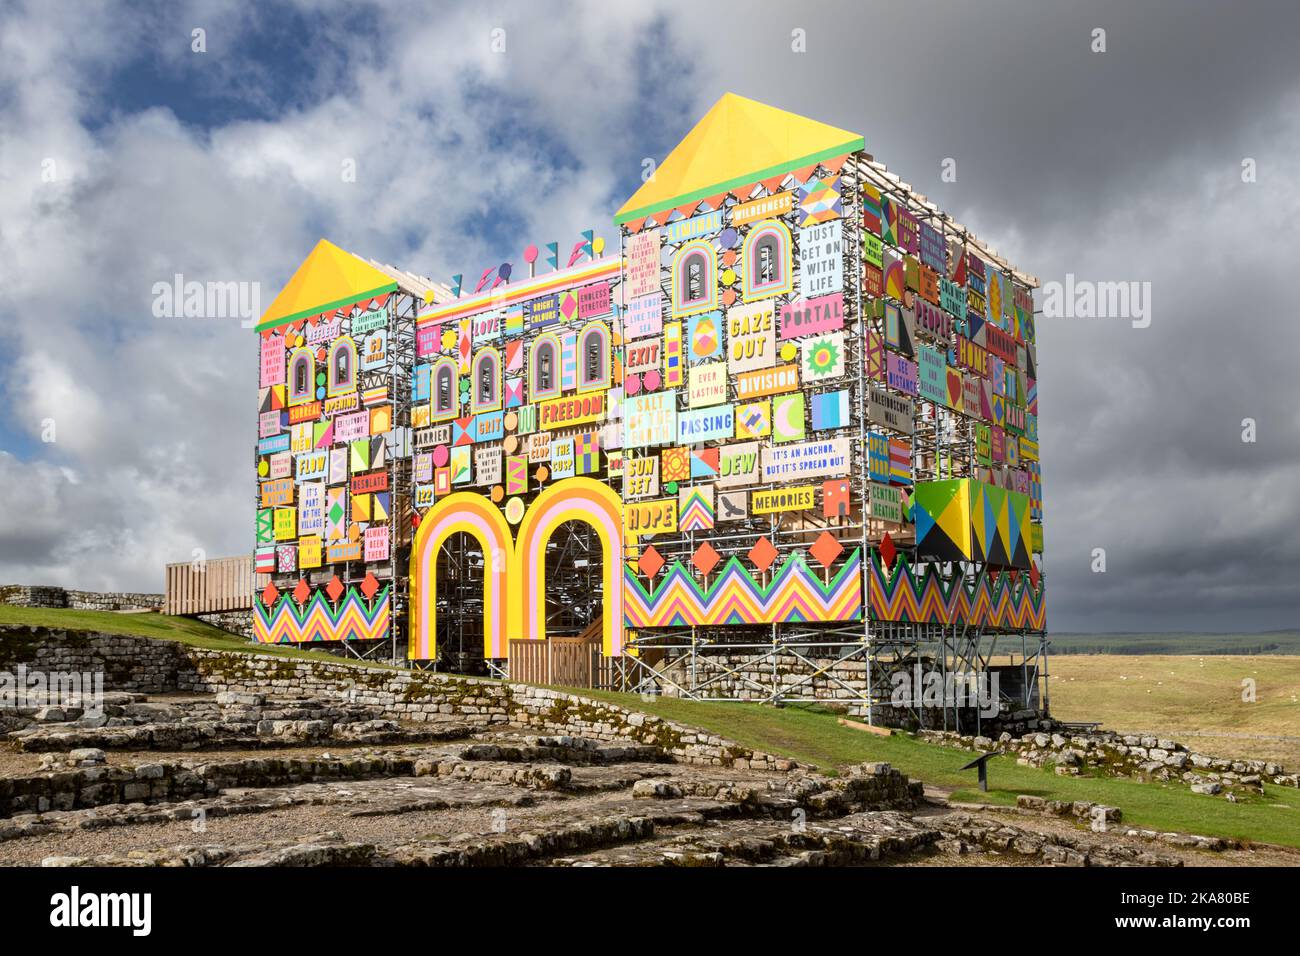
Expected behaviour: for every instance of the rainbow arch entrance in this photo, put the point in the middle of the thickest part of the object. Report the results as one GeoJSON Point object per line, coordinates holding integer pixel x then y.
{"type": "Point", "coordinates": [514, 588]}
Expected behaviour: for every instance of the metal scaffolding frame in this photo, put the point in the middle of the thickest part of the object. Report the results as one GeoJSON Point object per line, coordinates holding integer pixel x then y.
{"type": "Point", "coordinates": [738, 663]}
{"type": "Point", "coordinates": [396, 374]}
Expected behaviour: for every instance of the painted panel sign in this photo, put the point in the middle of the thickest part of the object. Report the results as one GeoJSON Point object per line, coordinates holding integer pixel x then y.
{"type": "Point", "coordinates": [641, 476]}
{"type": "Point", "coordinates": [890, 410]}
{"type": "Point", "coordinates": [751, 336]}
{"type": "Point", "coordinates": [375, 546]}
{"type": "Point", "coordinates": [311, 507]}
{"type": "Point", "coordinates": [806, 460]}
{"type": "Point", "coordinates": [650, 419]}
{"type": "Point", "coordinates": [765, 207]}
{"type": "Point", "coordinates": [643, 264]}
{"type": "Point", "coordinates": [821, 258]}
{"type": "Point", "coordinates": [809, 316]}
{"type": "Point", "coordinates": [738, 464]}
{"type": "Point", "coordinates": [696, 227]}
{"type": "Point", "coordinates": [311, 465]}
{"type": "Point", "coordinates": [272, 361]}
{"type": "Point", "coordinates": [932, 374]}
{"type": "Point", "coordinates": [756, 384]}
{"type": "Point", "coordinates": [885, 503]}
{"type": "Point", "coordinates": [594, 301]}
{"type": "Point", "coordinates": [570, 410]}
{"type": "Point", "coordinates": [277, 492]}
{"type": "Point", "coordinates": [708, 385]}
{"type": "Point", "coordinates": [645, 316]}
{"type": "Point", "coordinates": [650, 517]}
{"type": "Point", "coordinates": [900, 373]}
{"type": "Point", "coordinates": [777, 500]}
{"type": "Point", "coordinates": [704, 337]}
{"type": "Point", "coordinates": [542, 311]}
{"type": "Point", "coordinates": [706, 424]}
{"type": "Point", "coordinates": [351, 427]}
{"type": "Point", "coordinates": [370, 321]}
{"type": "Point", "coordinates": [822, 357]}
{"type": "Point", "coordinates": [642, 357]}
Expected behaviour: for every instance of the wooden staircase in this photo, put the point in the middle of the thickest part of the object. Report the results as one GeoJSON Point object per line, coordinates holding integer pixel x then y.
{"type": "Point", "coordinates": [559, 661]}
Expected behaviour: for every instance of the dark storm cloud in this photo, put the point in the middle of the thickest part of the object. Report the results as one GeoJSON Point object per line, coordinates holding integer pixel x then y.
{"type": "Point", "coordinates": [1115, 166]}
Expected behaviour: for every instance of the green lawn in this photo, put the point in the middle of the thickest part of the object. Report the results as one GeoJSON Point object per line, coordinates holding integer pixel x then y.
{"type": "Point", "coordinates": [161, 626]}
{"type": "Point", "coordinates": [813, 736]}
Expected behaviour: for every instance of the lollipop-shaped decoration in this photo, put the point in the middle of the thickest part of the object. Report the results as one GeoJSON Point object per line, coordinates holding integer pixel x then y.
{"type": "Point", "coordinates": [530, 257]}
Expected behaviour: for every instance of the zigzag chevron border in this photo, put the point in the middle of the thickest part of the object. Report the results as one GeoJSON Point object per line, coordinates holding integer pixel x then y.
{"type": "Point", "coordinates": [795, 594]}
{"type": "Point", "coordinates": [317, 621]}
{"type": "Point", "coordinates": [996, 601]}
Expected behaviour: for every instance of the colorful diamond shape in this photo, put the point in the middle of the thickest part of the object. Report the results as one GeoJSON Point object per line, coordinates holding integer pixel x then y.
{"type": "Point", "coordinates": [762, 554]}
{"type": "Point", "coordinates": [270, 594]}
{"type": "Point", "coordinates": [651, 562]}
{"type": "Point", "coordinates": [301, 591]}
{"type": "Point", "coordinates": [334, 588]}
{"type": "Point", "coordinates": [826, 549]}
{"type": "Point", "coordinates": [887, 551]}
{"type": "Point", "coordinates": [706, 558]}
{"type": "Point", "coordinates": [369, 585]}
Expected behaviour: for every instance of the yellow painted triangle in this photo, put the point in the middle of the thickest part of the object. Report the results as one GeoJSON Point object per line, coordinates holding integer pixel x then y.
{"type": "Point", "coordinates": [329, 278]}
{"type": "Point", "coordinates": [955, 519]}
{"type": "Point", "coordinates": [737, 142]}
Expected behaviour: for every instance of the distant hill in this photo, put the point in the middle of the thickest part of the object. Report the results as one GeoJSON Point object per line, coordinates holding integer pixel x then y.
{"type": "Point", "coordinates": [1269, 642]}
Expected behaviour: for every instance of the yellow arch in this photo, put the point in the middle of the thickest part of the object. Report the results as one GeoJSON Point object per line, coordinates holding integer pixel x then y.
{"type": "Point", "coordinates": [476, 516]}
{"type": "Point", "coordinates": [572, 499]}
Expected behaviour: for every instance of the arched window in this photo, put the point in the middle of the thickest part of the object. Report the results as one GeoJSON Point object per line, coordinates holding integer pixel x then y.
{"type": "Point", "coordinates": [343, 366]}
{"type": "Point", "coordinates": [302, 376]}
{"type": "Point", "coordinates": [544, 368]}
{"type": "Point", "coordinates": [593, 356]}
{"type": "Point", "coordinates": [766, 260]}
{"type": "Point", "coordinates": [695, 287]}
{"type": "Point", "coordinates": [485, 381]}
{"type": "Point", "coordinates": [444, 397]}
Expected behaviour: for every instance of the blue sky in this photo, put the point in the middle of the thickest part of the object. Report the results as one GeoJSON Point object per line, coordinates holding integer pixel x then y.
{"type": "Point", "coordinates": [226, 166]}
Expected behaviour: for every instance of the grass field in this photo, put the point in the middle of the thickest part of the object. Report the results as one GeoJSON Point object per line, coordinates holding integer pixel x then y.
{"type": "Point", "coordinates": [813, 736]}
{"type": "Point", "coordinates": [1196, 700]}
{"type": "Point", "coordinates": [1271, 642]}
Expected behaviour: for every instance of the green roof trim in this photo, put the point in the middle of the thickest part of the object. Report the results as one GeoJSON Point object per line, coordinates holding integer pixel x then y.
{"type": "Point", "coordinates": [852, 146]}
{"type": "Point", "coordinates": [317, 310]}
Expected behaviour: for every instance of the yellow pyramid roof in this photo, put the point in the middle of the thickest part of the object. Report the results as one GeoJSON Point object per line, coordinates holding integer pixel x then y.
{"type": "Point", "coordinates": [738, 141]}
{"type": "Point", "coordinates": [327, 279]}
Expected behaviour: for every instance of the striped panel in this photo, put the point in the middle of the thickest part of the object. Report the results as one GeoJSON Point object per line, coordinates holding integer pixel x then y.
{"type": "Point", "coordinates": [355, 620]}
{"type": "Point", "coordinates": [996, 600]}
{"type": "Point", "coordinates": [795, 594]}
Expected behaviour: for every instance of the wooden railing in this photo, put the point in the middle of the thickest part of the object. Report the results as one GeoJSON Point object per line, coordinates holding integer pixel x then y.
{"type": "Point", "coordinates": [219, 584]}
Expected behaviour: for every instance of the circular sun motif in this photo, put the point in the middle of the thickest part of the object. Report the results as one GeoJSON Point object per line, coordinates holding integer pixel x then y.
{"type": "Point", "coordinates": [823, 358]}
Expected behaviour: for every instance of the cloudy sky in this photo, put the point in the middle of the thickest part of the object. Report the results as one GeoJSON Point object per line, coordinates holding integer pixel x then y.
{"type": "Point", "coordinates": [126, 157]}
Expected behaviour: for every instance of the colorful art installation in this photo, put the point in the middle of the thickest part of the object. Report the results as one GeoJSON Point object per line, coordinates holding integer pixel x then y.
{"type": "Point", "coordinates": [997, 600]}
{"type": "Point", "coordinates": [353, 618]}
{"type": "Point", "coordinates": [966, 520]}
{"type": "Point", "coordinates": [794, 594]}
{"type": "Point", "coordinates": [770, 348]}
